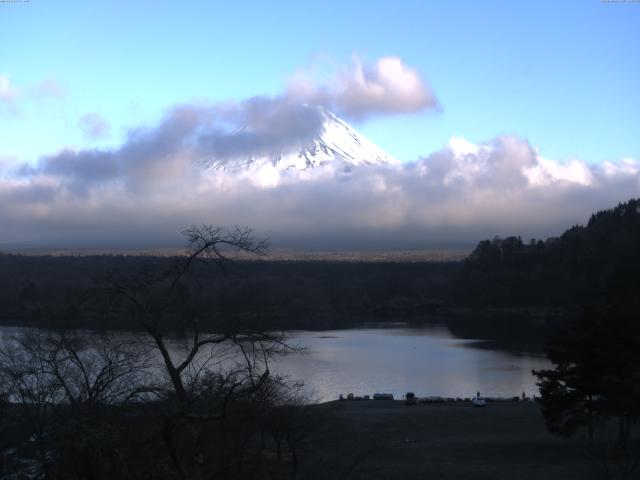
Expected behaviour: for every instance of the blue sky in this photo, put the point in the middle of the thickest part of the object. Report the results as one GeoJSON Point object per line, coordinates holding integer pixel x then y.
{"type": "Point", "coordinates": [563, 75]}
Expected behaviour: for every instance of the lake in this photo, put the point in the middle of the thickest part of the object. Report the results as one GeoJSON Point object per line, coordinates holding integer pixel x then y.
{"type": "Point", "coordinates": [427, 360]}
{"type": "Point", "coordinates": [395, 358]}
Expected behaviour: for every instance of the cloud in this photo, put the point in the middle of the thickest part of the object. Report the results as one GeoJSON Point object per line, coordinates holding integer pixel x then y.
{"type": "Point", "coordinates": [49, 88]}
{"type": "Point", "coordinates": [94, 126]}
{"type": "Point", "coordinates": [189, 137]}
{"type": "Point", "coordinates": [257, 127]}
{"type": "Point", "coordinates": [154, 185]}
{"type": "Point", "coordinates": [387, 87]}
{"type": "Point", "coordinates": [8, 94]}
{"type": "Point", "coordinates": [162, 178]}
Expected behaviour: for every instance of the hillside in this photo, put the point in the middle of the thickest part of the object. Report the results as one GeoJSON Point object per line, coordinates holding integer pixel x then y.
{"type": "Point", "coordinates": [596, 263]}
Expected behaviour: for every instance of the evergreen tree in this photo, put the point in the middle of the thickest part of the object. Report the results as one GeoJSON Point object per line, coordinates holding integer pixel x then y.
{"type": "Point", "coordinates": [596, 374]}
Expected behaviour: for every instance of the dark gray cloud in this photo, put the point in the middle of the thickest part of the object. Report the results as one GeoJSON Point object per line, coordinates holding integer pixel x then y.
{"type": "Point", "coordinates": [258, 127]}
{"type": "Point", "coordinates": [28, 194]}
{"type": "Point", "coordinates": [188, 136]}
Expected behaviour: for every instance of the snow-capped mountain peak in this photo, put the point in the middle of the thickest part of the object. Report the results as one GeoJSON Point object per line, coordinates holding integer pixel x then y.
{"type": "Point", "coordinates": [337, 142]}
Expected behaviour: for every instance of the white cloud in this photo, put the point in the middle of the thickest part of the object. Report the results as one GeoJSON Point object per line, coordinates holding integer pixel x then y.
{"type": "Point", "coordinates": [546, 171]}
{"type": "Point", "coordinates": [625, 167]}
{"type": "Point", "coordinates": [387, 87]}
{"type": "Point", "coordinates": [8, 93]}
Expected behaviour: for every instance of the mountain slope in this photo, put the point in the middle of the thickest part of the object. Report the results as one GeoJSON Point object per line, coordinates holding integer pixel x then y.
{"type": "Point", "coordinates": [338, 142]}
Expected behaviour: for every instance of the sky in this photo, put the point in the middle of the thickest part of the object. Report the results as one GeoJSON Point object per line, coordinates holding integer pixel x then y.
{"type": "Point", "coordinates": [549, 89]}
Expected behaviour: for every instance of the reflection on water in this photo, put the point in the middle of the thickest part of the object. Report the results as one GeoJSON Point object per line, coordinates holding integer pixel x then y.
{"type": "Point", "coordinates": [426, 360]}
{"type": "Point", "coordinates": [391, 358]}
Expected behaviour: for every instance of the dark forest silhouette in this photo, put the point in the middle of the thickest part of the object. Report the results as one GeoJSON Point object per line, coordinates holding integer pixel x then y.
{"type": "Point", "coordinates": [536, 282]}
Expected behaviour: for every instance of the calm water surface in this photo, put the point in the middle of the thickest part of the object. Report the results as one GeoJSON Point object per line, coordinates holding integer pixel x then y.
{"type": "Point", "coordinates": [426, 360]}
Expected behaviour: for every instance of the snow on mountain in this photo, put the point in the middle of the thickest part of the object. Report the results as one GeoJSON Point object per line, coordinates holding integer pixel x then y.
{"type": "Point", "coordinates": [338, 143]}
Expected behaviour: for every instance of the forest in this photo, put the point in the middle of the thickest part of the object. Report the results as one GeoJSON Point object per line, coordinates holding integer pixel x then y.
{"type": "Point", "coordinates": [538, 281]}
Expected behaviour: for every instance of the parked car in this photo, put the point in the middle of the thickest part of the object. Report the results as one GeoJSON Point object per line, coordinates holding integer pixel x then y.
{"type": "Point", "coordinates": [432, 399]}
{"type": "Point", "coordinates": [479, 402]}
{"type": "Point", "coordinates": [383, 396]}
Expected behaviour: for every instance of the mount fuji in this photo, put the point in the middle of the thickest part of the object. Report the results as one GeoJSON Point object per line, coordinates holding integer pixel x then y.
{"type": "Point", "coordinates": [337, 144]}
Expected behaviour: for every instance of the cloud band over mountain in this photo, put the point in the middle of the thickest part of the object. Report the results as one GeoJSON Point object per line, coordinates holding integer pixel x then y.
{"type": "Point", "coordinates": [145, 192]}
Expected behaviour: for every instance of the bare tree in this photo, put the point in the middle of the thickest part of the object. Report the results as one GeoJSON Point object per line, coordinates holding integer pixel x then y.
{"type": "Point", "coordinates": [227, 365]}
{"type": "Point", "coordinates": [186, 398]}
{"type": "Point", "coordinates": [58, 386]}
{"type": "Point", "coordinates": [292, 419]}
